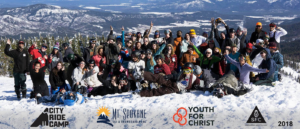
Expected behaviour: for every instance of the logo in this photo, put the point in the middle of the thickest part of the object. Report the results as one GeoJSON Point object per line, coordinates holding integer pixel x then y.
{"type": "Point", "coordinates": [103, 114]}
{"type": "Point", "coordinates": [181, 119]}
{"type": "Point", "coordinates": [256, 119]}
{"type": "Point", "coordinates": [52, 117]}
{"type": "Point", "coordinates": [195, 116]}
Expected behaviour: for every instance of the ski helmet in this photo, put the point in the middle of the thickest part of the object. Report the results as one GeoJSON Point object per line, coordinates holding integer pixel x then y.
{"type": "Point", "coordinates": [158, 57]}
{"type": "Point", "coordinates": [197, 70]}
{"type": "Point", "coordinates": [189, 65]}
{"type": "Point", "coordinates": [93, 41]}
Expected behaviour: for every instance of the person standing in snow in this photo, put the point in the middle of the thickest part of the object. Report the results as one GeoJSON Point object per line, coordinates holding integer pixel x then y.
{"type": "Point", "coordinates": [68, 51]}
{"type": "Point", "coordinates": [258, 33]}
{"type": "Point", "coordinates": [278, 58]}
{"type": "Point", "coordinates": [276, 34]}
{"type": "Point", "coordinates": [197, 40]}
{"type": "Point", "coordinates": [97, 58]}
{"type": "Point", "coordinates": [232, 40]}
{"type": "Point", "coordinates": [56, 57]}
{"type": "Point", "coordinates": [21, 65]}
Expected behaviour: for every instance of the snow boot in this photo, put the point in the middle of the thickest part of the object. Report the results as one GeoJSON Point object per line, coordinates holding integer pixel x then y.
{"type": "Point", "coordinates": [37, 98]}
{"type": "Point", "coordinates": [24, 93]}
{"type": "Point", "coordinates": [18, 94]}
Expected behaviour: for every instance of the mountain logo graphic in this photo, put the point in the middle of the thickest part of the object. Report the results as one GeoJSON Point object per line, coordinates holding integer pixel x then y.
{"type": "Point", "coordinates": [256, 119]}
{"type": "Point", "coordinates": [42, 120]}
{"type": "Point", "coordinates": [103, 114]}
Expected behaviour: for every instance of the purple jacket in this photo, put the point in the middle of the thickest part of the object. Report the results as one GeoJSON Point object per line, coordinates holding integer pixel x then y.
{"type": "Point", "coordinates": [244, 70]}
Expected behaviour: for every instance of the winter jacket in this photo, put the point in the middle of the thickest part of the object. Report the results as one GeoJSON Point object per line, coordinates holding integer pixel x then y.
{"type": "Point", "coordinates": [198, 40]}
{"type": "Point", "coordinates": [204, 62]}
{"type": "Point", "coordinates": [219, 38]}
{"type": "Point", "coordinates": [278, 58]}
{"type": "Point", "coordinates": [36, 53]}
{"type": "Point", "coordinates": [170, 40]}
{"type": "Point", "coordinates": [87, 54]}
{"type": "Point", "coordinates": [21, 59]}
{"type": "Point", "coordinates": [112, 51]}
{"type": "Point", "coordinates": [97, 59]}
{"type": "Point", "coordinates": [177, 46]}
{"type": "Point", "coordinates": [183, 48]}
{"type": "Point", "coordinates": [278, 34]}
{"type": "Point", "coordinates": [68, 51]}
{"type": "Point", "coordinates": [79, 75]}
{"type": "Point", "coordinates": [91, 77]}
{"type": "Point", "coordinates": [39, 84]}
{"type": "Point", "coordinates": [108, 72]}
{"type": "Point", "coordinates": [150, 68]}
{"type": "Point", "coordinates": [145, 47]}
{"type": "Point", "coordinates": [188, 57]}
{"type": "Point", "coordinates": [236, 58]}
{"type": "Point", "coordinates": [188, 82]}
{"type": "Point", "coordinates": [257, 35]}
{"type": "Point", "coordinates": [136, 68]}
{"type": "Point", "coordinates": [164, 68]}
{"type": "Point", "coordinates": [243, 40]}
{"type": "Point", "coordinates": [58, 80]}
{"type": "Point", "coordinates": [110, 89]}
{"type": "Point", "coordinates": [231, 42]}
{"type": "Point", "coordinates": [54, 61]}
{"type": "Point", "coordinates": [171, 62]}
{"type": "Point", "coordinates": [244, 70]}
{"type": "Point", "coordinates": [269, 64]}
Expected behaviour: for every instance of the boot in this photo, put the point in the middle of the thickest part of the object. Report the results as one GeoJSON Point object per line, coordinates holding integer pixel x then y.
{"type": "Point", "coordinates": [24, 93]}
{"type": "Point", "coordinates": [18, 94]}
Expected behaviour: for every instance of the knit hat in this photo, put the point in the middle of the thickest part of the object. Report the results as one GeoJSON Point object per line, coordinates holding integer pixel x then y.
{"type": "Point", "coordinates": [21, 42]}
{"type": "Point", "coordinates": [272, 24]}
{"type": "Point", "coordinates": [156, 32]}
{"type": "Point", "coordinates": [272, 45]}
{"type": "Point", "coordinates": [192, 32]}
{"type": "Point", "coordinates": [56, 46]}
{"type": "Point", "coordinates": [238, 29]}
{"type": "Point", "coordinates": [249, 46]}
{"type": "Point", "coordinates": [111, 37]}
{"type": "Point", "coordinates": [167, 31]}
{"type": "Point", "coordinates": [231, 30]}
{"type": "Point", "coordinates": [208, 50]}
{"type": "Point", "coordinates": [259, 41]}
{"type": "Point", "coordinates": [258, 24]}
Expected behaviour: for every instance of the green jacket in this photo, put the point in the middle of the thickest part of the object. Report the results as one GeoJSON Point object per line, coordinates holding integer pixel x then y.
{"type": "Point", "coordinates": [205, 61]}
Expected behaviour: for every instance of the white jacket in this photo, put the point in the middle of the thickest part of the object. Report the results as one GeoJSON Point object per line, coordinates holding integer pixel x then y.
{"type": "Point", "coordinates": [198, 40]}
{"type": "Point", "coordinates": [278, 34]}
{"type": "Point", "coordinates": [92, 79]}
{"type": "Point", "coordinates": [78, 76]}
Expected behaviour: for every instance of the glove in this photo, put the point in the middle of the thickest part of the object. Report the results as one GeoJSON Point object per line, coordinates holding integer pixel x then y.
{"type": "Point", "coordinates": [180, 86]}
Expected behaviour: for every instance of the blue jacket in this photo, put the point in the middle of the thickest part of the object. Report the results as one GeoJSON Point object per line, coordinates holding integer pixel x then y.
{"type": "Point", "coordinates": [150, 68]}
{"type": "Point", "coordinates": [269, 64]}
{"type": "Point", "coordinates": [236, 58]}
{"type": "Point", "coordinates": [278, 58]}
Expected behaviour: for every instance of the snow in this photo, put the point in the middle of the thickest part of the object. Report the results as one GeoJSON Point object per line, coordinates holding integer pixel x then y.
{"type": "Point", "coordinates": [122, 4]}
{"type": "Point", "coordinates": [279, 103]}
{"type": "Point", "coordinates": [251, 2]}
{"type": "Point", "coordinates": [90, 7]}
{"type": "Point", "coordinates": [156, 13]}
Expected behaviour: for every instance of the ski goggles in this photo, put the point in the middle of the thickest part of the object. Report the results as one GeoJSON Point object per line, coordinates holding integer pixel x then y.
{"type": "Point", "coordinates": [44, 47]}
{"type": "Point", "coordinates": [187, 71]}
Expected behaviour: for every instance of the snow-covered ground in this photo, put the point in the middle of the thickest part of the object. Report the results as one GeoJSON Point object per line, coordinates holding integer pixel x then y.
{"type": "Point", "coordinates": [279, 103]}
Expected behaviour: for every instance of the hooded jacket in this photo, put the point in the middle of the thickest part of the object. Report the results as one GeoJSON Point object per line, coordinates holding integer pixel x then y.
{"type": "Point", "coordinates": [36, 53]}
{"type": "Point", "coordinates": [257, 35]}
{"type": "Point", "coordinates": [79, 75]}
{"type": "Point", "coordinates": [92, 79]}
{"type": "Point", "coordinates": [278, 58]}
{"type": "Point", "coordinates": [112, 51]}
{"type": "Point", "coordinates": [21, 59]}
{"type": "Point", "coordinates": [269, 64]}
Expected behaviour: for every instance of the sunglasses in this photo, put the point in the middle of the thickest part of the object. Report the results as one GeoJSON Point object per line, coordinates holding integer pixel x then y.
{"type": "Point", "coordinates": [82, 63]}
{"type": "Point", "coordinates": [258, 26]}
{"type": "Point", "coordinates": [261, 52]}
{"type": "Point", "coordinates": [208, 53]}
{"type": "Point", "coordinates": [21, 42]}
{"type": "Point", "coordinates": [44, 47]}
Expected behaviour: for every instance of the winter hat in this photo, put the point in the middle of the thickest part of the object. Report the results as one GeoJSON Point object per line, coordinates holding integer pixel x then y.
{"type": "Point", "coordinates": [156, 32]}
{"type": "Point", "coordinates": [231, 30]}
{"type": "Point", "coordinates": [44, 45]}
{"type": "Point", "coordinates": [259, 41]}
{"type": "Point", "coordinates": [111, 37]}
{"type": "Point", "coordinates": [258, 24]}
{"type": "Point", "coordinates": [167, 31]}
{"type": "Point", "coordinates": [220, 51]}
{"type": "Point", "coordinates": [204, 33]}
{"type": "Point", "coordinates": [272, 45]}
{"type": "Point", "coordinates": [272, 24]}
{"type": "Point", "coordinates": [238, 29]}
{"type": "Point", "coordinates": [208, 50]}
{"type": "Point", "coordinates": [249, 46]}
{"type": "Point", "coordinates": [21, 42]}
{"type": "Point", "coordinates": [56, 46]}
{"type": "Point", "coordinates": [138, 33]}
{"type": "Point", "coordinates": [192, 32]}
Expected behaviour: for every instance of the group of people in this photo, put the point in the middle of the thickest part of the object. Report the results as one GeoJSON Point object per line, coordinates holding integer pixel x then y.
{"type": "Point", "coordinates": [152, 66]}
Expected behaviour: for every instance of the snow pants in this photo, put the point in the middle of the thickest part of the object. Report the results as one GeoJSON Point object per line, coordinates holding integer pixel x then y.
{"type": "Point", "coordinates": [20, 79]}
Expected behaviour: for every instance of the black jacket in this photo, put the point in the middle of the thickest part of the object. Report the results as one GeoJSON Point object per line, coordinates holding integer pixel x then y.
{"type": "Point", "coordinates": [39, 84]}
{"type": "Point", "coordinates": [21, 59]}
{"type": "Point", "coordinates": [107, 70]}
{"type": "Point", "coordinates": [76, 62]}
{"type": "Point", "coordinates": [86, 54]}
{"type": "Point", "coordinates": [112, 89]}
{"type": "Point", "coordinates": [112, 51]}
{"type": "Point", "coordinates": [58, 80]}
{"type": "Point", "coordinates": [257, 35]}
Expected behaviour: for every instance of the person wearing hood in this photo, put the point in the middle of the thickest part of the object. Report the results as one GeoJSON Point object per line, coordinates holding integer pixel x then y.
{"type": "Point", "coordinates": [196, 40]}
{"type": "Point", "coordinates": [258, 33]}
{"type": "Point", "coordinates": [278, 58]}
{"type": "Point", "coordinates": [21, 66]}
{"type": "Point", "coordinates": [56, 57]}
{"type": "Point", "coordinates": [90, 51]}
{"type": "Point", "coordinates": [68, 51]}
{"type": "Point", "coordinates": [276, 34]}
{"type": "Point", "coordinates": [36, 53]}
{"type": "Point", "coordinates": [267, 63]}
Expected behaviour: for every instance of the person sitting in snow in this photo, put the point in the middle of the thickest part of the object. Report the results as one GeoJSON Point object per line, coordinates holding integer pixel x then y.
{"type": "Point", "coordinates": [278, 58]}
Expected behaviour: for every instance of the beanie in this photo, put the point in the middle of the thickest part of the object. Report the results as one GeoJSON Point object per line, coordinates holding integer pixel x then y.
{"type": "Point", "coordinates": [249, 46]}
{"type": "Point", "coordinates": [166, 31]}
{"type": "Point", "coordinates": [56, 46]}
{"type": "Point", "coordinates": [192, 32]}
{"type": "Point", "coordinates": [258, 24]}
{"type": "Point", "coordinates": [208, 50]}
{"type": "Point", "coordinates": [272, 45]}
{"type": "Point", "coordinates": [259, 41]}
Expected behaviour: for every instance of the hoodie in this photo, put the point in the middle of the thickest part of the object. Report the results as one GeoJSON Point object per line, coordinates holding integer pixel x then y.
{"type": "Point", "coordinates": [278, 58]}
{"type": "Point", "coordinates": [269, 64]}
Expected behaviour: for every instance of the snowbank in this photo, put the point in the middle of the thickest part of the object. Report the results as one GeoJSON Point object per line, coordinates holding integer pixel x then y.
{"type": "Point", "coordinates": [275, 104]}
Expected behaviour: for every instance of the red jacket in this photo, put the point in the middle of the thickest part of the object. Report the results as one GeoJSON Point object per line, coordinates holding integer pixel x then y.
{"type": "Point", "coordinates": [36, 54]}
{"type": "Point", "coordinates": [162, 69]}
{"type": "Point", "coordinates": [171, 62]}
{"type": "Point", "coordinates": [97, 59]}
